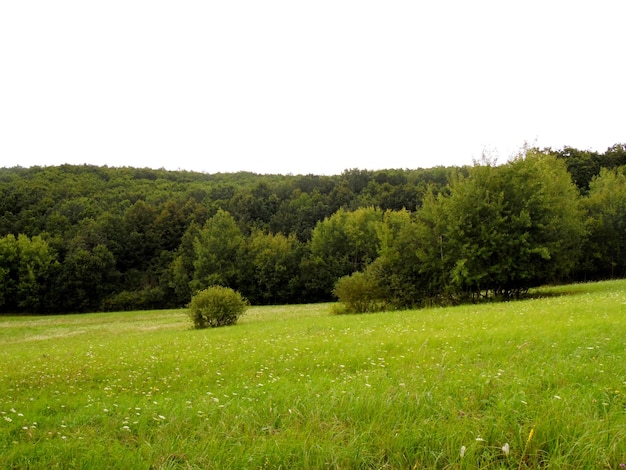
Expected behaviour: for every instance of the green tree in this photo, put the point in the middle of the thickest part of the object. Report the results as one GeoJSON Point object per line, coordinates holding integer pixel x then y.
{"type": "Point", "coordinates": [88, 275]}
{"type": "Point", "coordinates": [217, 248]}
{"type": "Point", "coordinates": [502, 229]}
{"type": "Point", "coordinates": [397, 270]}
{"type": "Point", "coordinates": [345, 243]}
{"type": "Point", "coordinates": [9, 261]}
{"type": "Point", "coordinates": [474, 234]}
{"type": "Point", "coordinates": [26, 269]}
{"type": "Point", "coordinates": [300, 213]}
{"type": "Point", "coordinates": [545, 205]}
{"type": "Point", "coordinates": [140, 242]}
{"type": "Point", "coordinates": [274, 261]}
{"type": "Point", "coordinates": [254, 207]}
{"type": "Point", "coordinates": [605, 206]}
{"type": "Point", "coordinates": [614, 157]}
{"type": "Point", "coordinates": [181, 270]}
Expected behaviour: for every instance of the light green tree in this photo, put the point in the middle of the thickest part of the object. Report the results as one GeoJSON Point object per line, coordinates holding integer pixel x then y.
{"type": "Point", "coordinates": [344, 243]}
{"type": "Point", "coordinates": [397, 270]}
{"type": "Point", "coordinates": [605, 207]}
{"type": "Point", "coordinates": [218, 248]}
{"type": "Point", "coordinates": [26, 266]}
{"type": "Point", "coordinates": [273, 267]}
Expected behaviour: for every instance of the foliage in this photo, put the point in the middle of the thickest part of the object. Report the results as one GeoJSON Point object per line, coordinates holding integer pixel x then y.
{"type": "Point", "coordinates": [120, 238]}
{"type": "Point", "coordinates": [398, 271]}
{"type": "Point", "coordinates": [274, 264]}
{"type": "Point", "coordinates": [359, 293]}
{"type": "Point", "coordinates": [88, 277]}
{"type": "Point", "coordinates": [502, 230]}
{"type": "Point", "coordinates": [27, 267]}
{"type": "Point", "coordinates": [218, 248]}
{"type": "Point", "coordinates": [146, 299]}
{"type": "Point", "coordinates": [605, 206]}
{"type": "Point", "coordinates": [584, 165]}
{"type": "Point", "coordinates": [345, 243]}
{"type": "Point", "coordinates": [216, 306]}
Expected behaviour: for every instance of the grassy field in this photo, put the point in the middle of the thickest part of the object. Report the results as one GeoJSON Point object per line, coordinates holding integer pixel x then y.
{"type": "Point", "coordinates": [531, 384]}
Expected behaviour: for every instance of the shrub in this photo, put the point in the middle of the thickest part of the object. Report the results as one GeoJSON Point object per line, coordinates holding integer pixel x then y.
{"type": "Point", "coordinates": [359, 293]}
{"type": "Point", "coordinates": [146, 299]}
{"type": "Point", "coordinates": [216, 306]}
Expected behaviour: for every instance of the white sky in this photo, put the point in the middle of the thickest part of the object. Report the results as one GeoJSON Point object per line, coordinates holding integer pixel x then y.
{"type": "Point", "coordinates": [298, 86]}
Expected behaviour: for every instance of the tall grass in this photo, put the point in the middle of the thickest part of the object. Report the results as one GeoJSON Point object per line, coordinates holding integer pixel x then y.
{"type": "Point", "coordinates": [531, 384]}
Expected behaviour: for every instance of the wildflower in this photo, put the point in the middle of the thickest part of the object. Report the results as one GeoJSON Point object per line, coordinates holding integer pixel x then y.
{"type": "Point", "coordinates": [463, 449]}
{"type": "Point", "coordinates": [505, 449]}
{"type": "Point", "coordinates": [530, 435]}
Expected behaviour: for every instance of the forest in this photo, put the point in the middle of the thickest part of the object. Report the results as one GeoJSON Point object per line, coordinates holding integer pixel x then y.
{"type": "Point", "coordinates": [88, 238]}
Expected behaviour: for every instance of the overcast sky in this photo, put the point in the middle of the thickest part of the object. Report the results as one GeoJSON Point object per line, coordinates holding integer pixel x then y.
{"type": "Point", "coordinates": [306, 86]}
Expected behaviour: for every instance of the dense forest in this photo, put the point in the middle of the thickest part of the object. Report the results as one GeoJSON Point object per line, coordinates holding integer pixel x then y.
{"type": "Point", "coordinates": [87, 238]}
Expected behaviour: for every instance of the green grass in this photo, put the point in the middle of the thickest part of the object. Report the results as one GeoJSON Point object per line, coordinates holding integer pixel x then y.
{"type": "Point", "coordinates": [295, 387]}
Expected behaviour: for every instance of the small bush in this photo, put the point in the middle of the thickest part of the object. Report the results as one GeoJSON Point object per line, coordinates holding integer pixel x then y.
{"type": "Point", "coordinates": [216, 306]}
{"type": "Point", "coordinates": [359, 293]}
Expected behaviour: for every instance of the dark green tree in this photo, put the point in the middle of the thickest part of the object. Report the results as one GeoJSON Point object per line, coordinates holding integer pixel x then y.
{"type": "Point", "coordinates": [87, 276]}
{"type": "Point", "coordinates": [300, 213]}
{"type": "Point", "coordinates": [181, 270]}
{"type": "Point", "coordinates": [502, 229]}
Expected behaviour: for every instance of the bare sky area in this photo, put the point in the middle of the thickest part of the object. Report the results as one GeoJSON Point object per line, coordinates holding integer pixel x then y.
{"type": "Point", "coordinates": [306, 87]}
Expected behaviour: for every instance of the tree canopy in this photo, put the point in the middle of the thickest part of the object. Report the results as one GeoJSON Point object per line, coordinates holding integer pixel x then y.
{"type": "Point", "coordinates": [87, 238]}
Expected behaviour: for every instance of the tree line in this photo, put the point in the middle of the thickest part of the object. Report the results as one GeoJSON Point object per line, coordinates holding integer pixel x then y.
{"type": "Point", "coordinates": [87, 238]}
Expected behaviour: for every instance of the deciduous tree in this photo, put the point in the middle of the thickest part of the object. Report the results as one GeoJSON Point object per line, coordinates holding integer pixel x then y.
{"type": "Point", "coordinates": [217, 248]}
{"type": "Point", "coordinates": [605, 250]}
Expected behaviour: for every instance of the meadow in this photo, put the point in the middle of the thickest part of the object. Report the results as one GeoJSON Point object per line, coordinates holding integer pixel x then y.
{"type": "Point", "coordinates": [538, 383]}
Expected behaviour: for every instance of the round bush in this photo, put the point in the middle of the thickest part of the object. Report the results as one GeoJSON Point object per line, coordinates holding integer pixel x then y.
{"type": "Point", "coordinates": [358, 293]}
{"type": "Point", "coordinates": [216, 306]}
